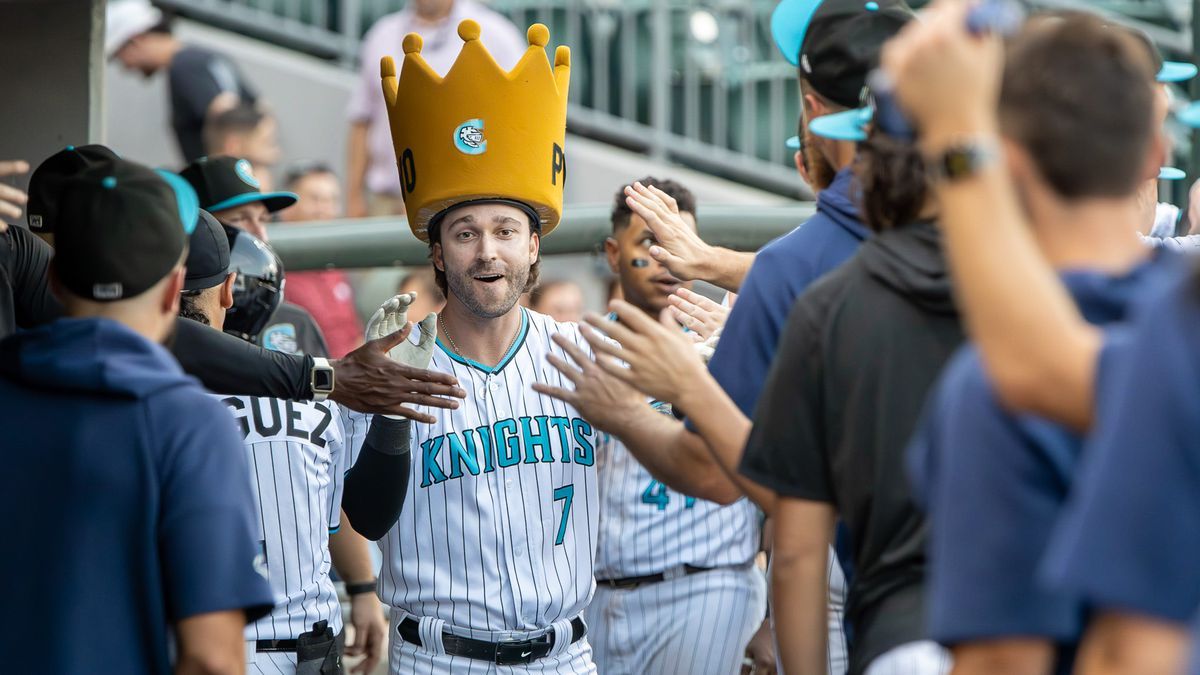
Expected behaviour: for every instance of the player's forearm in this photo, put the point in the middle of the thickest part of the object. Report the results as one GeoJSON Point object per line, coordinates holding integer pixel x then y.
{"type": "Point", "coordinates": [350, 555]}
{"type": "Point", "coordinates": [727, 268]}
{"type": "Point", "coordinates": [798, 608]}
{"type": "Point", "coordinates": [377, 484]}
{"type": "Point", "coordinates": [227, 365]}
{"type": "Point", "coordinates": [1039, 352]}
{"type": "Point", "coordinates": [660, 443]}
{"type": "Point", "coordinates": [724, 431]}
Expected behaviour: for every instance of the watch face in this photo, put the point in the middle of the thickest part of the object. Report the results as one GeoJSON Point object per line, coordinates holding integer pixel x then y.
{"type": "Point", "coordinates": [322, 379]}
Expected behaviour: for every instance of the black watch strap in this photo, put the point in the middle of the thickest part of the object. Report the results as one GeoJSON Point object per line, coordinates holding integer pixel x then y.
{"type": "Point", "coordinates": [360, 588]}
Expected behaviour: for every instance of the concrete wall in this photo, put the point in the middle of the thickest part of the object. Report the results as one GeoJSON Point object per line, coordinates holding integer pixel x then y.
{"type": "Point", "coordinates": [51, 76]}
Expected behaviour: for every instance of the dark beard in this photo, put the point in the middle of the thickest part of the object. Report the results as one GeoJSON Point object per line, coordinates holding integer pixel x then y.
{"type": "Point", "coordinates": [820, 171]}
{"type": "Point", "coordinates": [460, 284]}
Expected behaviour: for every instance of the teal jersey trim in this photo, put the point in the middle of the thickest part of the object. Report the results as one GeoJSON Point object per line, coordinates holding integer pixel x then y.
{"type": "Point", "coordinates": [508, 356]}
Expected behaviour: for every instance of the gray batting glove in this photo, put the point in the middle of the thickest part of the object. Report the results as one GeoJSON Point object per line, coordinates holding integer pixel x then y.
{"type": "Point", "coordinates": [392, 316]}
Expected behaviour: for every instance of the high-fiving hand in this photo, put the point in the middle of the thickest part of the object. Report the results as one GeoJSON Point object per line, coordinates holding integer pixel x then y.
{"type": "Point", "coordinates": [392, 316]}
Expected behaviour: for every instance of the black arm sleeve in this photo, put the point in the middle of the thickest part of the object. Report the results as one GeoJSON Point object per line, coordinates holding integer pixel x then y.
{"type": "Point", "coordinates": [378, 482]}
{"type": "Point", "coordinates": [227, 365]}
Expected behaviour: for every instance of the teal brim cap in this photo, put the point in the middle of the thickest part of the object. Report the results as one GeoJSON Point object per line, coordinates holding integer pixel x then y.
{"type": "Point", "coordinates": [1171, 173]}
{"type": "Point", "coordinates": [185, 199]}
{"type": "Point", "coordinates": [789, 24]}
{"type": "Point", "coordinates": [1176, 71]}
{"type": "Point", "coordinates": [792, 143]}
{"type": "Point", "coordinates": [848, 125]}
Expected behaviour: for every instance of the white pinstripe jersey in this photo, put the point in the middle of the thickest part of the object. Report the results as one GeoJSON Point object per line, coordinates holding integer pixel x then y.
{"type": "Point", "coordinates": [296, 454]}
{"type": "Point", "coordinates": [647, 528]}
{"type": "Point", "coordinates": [498, 531]}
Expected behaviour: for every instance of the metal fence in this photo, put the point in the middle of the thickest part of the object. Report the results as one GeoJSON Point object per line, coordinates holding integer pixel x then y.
{"type": "Point", "coordinates": [697, 82]}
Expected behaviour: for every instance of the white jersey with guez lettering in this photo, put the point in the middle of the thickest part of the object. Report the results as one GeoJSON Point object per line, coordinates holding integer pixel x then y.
{"type": "Point", "coordinates": [498, 531]}
{"type": "Point", "coordinates": [296, 456]}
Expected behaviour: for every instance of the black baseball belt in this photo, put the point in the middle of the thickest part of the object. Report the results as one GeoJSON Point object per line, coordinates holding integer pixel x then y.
{"type": "Point", "coordinates": [507, 653]}
{"type": "Point", "coordinates": [626, 583]}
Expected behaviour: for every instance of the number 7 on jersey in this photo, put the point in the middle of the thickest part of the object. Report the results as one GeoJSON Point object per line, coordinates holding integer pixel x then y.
{"type": "Point", "coordinates": [565, 494]}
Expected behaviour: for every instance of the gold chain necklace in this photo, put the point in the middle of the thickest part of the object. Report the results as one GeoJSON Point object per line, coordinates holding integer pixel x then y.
{"type": "Point", "coordinates": [453, 346]}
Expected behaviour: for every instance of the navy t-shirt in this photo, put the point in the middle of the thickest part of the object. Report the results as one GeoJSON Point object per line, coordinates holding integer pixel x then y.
{"type": "Point", "coordinates": [1129, 537]}
{"type": "Point", "coordinates": [992, 484]}
{"type": "Point", "coordinates": [129, 501]}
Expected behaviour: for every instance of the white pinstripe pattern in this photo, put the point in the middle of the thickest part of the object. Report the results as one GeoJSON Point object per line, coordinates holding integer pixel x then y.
{"type": "Point", "coordinates": [915, 658]}
{"type": "Point", "coordinates": [477, 548]}
{"type": "Point", "coordinates": [692, 625]}
{"type": "Point", "coordinates": [296, 453]}
{"type": "Point", "coordinates": [645, 528]}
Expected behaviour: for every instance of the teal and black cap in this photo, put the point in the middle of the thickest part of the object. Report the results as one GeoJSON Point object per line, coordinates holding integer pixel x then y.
{"type": "Point", "coordinates": [227, 182]}
{"type": "Point", "coordinates": [47, 179]}
{"type": "Point", "coordinates": [121, 229]}
{"type": "Point", "coordinates": [836, 43]}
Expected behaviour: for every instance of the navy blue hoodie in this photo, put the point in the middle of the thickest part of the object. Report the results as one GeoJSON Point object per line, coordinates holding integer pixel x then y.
{"type": "Point", "coordinates": [127, 500]}
{"type": "Point", "coordinates": [782, 270]}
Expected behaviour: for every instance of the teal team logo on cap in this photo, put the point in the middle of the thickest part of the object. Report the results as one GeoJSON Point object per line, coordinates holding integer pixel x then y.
{"type": "Point", "coordinates": [468, 138]}
{"type": "Point", "coordinates": [246, 173]}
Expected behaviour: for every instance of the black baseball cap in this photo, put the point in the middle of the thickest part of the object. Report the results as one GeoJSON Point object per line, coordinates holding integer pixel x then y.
{"type": "Point", "coordinates": [47, 178]}
{"type": "Point", "coordinates": [208, 254]}
{"type": "Point", "coordinates": [121, 228]}
{"type": "Point", "coordinates": [225, 182]}
{"type": "Point", "coordinates": [836, 43]}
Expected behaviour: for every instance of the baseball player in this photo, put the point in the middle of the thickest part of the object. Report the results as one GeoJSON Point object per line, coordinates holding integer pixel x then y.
{"type": "Point", "coordinates": [491, 564]}
{"type": "Point", "coordinates": [676, 586]}
{"type": "Point", "coordinates": [296, 453]}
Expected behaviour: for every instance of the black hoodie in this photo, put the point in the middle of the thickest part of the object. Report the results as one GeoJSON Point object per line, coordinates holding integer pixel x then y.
{"type": "Point", "coordinates": [861, 349]}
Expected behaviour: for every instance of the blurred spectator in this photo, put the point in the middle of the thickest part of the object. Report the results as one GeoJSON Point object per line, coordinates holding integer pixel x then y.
{"type": "Point", "coordinates": [326, 294]}
{"type": "Point", "coordinates": [249, 132]}
{"type": "Point", "coordinates": [202, 83]}
{"type": "Point", "coordinates": [429, 296]}
{"type": "Point", "coordinates": [372, 184]}
{"type": "Point", "coordinates": [559, 299]}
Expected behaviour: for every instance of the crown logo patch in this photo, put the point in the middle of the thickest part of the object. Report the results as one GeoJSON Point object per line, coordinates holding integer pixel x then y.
{"type": "Point", "coordinates": [506, 129]}
{"type": "Point", "coordinates": [468, 138]}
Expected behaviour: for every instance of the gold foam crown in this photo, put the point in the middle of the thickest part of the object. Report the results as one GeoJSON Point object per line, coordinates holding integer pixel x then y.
{"type": "Point", "coordinates": [479, 133]}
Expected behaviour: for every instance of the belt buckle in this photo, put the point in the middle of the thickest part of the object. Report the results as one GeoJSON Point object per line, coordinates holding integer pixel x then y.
{"type": "Point", "coordinates": [520, 653]}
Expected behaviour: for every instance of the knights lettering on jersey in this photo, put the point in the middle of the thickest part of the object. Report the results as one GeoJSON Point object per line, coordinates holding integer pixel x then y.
{"type": "Point", "coordinates": [507, 443]}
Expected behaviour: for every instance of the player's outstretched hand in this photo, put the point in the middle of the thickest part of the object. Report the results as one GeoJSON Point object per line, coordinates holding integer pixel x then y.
{"type": "Point", "coordinates": [12, 200]}
{"type": "Point", "coordinates": [679, 248]}
{"type": "Point", "coordinates": [697, 313]}
{"type": "Point", "coordinates": [370, 631]}
{"type": "Point", "coordinates": [602, 399]}
{"type": "Point", "coordinates": [760, 653]}
{"type": "Point", "coordinates": [659, 358]}
{"type": "Point", "coordinates": [392, 316]}
{"type": "Point", "coordinates": [368, 381]}
{"type": "Point", "coordinates": [946, 79]}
